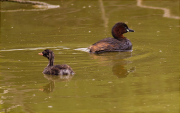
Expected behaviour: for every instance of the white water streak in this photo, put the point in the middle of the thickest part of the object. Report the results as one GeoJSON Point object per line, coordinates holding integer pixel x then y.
{"type": "Point", "coordinates": [82, 49]}
{"type": "Point", "coordinates": [27, 49]}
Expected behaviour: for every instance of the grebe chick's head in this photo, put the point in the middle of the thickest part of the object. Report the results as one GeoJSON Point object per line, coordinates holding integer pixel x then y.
{"type": "Point", "coordinates": [119, 29]}
{"type": "Point", "coordinates": [47, 53]}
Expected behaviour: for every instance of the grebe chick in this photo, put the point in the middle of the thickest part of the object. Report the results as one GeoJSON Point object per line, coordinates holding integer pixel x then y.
{"type": "Point", "coordinates": [51, 69]}
{"type": "Point", "coordinates": [118, 43]}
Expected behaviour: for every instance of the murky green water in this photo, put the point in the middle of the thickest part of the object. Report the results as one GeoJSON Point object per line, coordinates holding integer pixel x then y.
{"type": "Point", "coordinates": [145, 80]}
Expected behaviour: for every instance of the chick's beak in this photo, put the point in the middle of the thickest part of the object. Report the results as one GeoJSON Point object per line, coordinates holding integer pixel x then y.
{"type": "Point", "coordinates": [40, 53]}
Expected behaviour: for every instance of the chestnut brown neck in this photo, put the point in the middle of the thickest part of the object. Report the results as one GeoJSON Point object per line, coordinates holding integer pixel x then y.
{"type": "Point", "coordinates": [118, 34]}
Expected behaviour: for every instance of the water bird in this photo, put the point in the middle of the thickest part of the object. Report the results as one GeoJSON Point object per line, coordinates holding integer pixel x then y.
{"type": "Point", "coordinates": [118, 43]}
{"type": "Point", "coordinates": [51, 69]}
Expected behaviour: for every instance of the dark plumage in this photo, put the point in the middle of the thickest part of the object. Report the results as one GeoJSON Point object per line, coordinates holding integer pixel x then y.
{"type": "Point", "coordinates": [118, 43]}
{"type": "Point", "coordinates": [51, 69]}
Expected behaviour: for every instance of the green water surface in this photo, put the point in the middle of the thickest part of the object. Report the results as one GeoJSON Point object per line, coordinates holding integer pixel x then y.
{"type": "Point", "coordinates": [144, 80]}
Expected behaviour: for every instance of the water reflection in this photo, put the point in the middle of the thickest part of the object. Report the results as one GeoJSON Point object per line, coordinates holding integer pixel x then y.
{"type": "Point", "coordinates": [40, 6]}
{"type": "Point", "coordinates": [48, 88]}
{"type": "Point", "coordinates": [167, 12]}
{"type": "Point", "coordinates": [58, 77]}
{"type": "Point", "coordinates": [117, 60]}
{"type": "Point", "coordinates": [103, 14]}
{"type": "Point", "coordinates": [120, 70]}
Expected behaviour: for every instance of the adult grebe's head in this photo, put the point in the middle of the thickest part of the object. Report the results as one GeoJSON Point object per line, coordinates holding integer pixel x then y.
{"type": "Point", "coordinates": [119, 29]}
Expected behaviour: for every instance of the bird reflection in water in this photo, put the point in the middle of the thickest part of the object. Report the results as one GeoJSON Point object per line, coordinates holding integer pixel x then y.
{"type": "Point", "coordinates": [48, 88]}
{"type": "Point", "coordinates": [120, 71]}
{"type": "Point", "coordinates": [117, 60]}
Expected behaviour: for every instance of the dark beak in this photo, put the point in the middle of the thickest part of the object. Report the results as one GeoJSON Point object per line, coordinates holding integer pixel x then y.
{"type": "Point", "coordinates": [130, 30]}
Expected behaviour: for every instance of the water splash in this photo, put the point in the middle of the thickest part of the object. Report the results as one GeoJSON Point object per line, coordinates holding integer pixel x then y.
{"type": "Point", "coordinates": [82, 49]}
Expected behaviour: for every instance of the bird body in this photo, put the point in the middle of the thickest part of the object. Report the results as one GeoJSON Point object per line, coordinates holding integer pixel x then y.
{"type": "Point", "coordinates": [118, 43]}
{"type": "Point", "coordinates": [52, 69]}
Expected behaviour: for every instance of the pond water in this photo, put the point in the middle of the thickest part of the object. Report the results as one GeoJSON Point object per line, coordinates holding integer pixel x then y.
{"type": "Point", "coordinates": [144, 80]}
